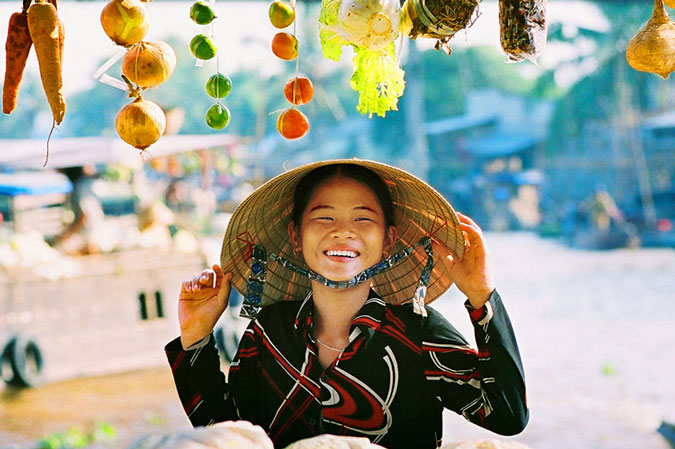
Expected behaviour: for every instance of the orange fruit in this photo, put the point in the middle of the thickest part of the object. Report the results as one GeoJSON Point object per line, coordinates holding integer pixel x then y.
{"type": "Point", "coordinates": [282, 14]}
{"type": "Point", "coordinates": [285, 46]}
{"type": "Point", "coordinates": [299, 90]}
{"type": "Point", "coordinates": [292, 124]}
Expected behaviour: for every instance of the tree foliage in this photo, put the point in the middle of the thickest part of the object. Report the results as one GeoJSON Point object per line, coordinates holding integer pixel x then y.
{"type": "Point", "coordinates": [597, 98]}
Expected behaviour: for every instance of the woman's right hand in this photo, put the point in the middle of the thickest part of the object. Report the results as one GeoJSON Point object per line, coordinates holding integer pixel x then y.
{"type": "Point", "coordinates": [201, 303]}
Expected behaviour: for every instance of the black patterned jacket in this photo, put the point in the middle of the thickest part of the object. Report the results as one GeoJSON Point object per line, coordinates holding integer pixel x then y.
{"type": "Point", "coordinates": [389, 384]}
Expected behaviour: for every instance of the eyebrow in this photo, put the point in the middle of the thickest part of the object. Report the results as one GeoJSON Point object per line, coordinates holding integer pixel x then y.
{"type": "Point", "coordinates": [325, 206]}
{"type": "Point", "coordinates": [321, 206]}
{"type": "Point", "coordinates": [366, 208]}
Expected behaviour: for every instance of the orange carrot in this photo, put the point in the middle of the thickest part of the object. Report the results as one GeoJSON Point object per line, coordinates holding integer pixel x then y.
{"type": "Point", "coordinates": [43, 24]}
{"type": "Point", "coordinates": [62, 38]}
{"type": "Point", "coordinates": [17, 48]}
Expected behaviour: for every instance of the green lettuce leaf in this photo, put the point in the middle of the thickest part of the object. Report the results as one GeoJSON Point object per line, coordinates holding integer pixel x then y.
{"type": "Point", "coordinates": [331, 43]}
{"type": "Point", "coordinates": [378, 79]}
{"type": "Point", "coordinates": [331, 40]}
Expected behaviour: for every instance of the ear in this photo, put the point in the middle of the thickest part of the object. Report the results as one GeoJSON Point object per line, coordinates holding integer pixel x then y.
{"type": "Point", "coordinates": [390, 236]}
{"type": "Point", "coordinates": [294, 236]}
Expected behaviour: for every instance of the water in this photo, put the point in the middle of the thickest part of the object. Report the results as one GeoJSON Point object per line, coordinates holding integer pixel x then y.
{"type": "Point", "coordinates": [595, 329]}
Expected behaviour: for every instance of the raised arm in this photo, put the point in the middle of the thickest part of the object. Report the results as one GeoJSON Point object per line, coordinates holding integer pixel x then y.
{"type": "Point", "coordinates": [486, 385]}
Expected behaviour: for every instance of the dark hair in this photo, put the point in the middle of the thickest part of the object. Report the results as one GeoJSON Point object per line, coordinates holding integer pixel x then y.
{"type": "Point", "coordinates": [314, 179]}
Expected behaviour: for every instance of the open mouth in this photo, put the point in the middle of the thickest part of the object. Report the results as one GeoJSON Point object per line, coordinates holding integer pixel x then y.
{"type": "Point", "coordinates": [342, 253]}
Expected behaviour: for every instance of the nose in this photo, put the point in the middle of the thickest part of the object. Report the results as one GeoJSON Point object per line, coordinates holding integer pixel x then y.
{"type": "Point", "coordinates": [342, 229]}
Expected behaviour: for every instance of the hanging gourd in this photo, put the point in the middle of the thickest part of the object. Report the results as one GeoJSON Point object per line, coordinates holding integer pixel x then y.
{"type": "Point", "coordinates": [125, 21]}
{"type": "Point", "coordinates": [145, 64]}
{"type": "Point", "coordinates": [149, 64]}
{"type": "Point", "coordinates": [140, 123]}
{"type": "Point", "coordinates": [652, 49]}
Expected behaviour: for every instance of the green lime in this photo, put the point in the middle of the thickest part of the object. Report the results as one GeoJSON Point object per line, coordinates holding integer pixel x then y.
{"type": "Point", "coordinates": [281, 14]}
{"type": "Point", "coordinates": [218, 116]}
{"type": "Point", "coordinates": [218, 86]}
{"type": "Point", "coordinates": [201, 13]}
{"type": "Point", "coordinates": [202, 47]}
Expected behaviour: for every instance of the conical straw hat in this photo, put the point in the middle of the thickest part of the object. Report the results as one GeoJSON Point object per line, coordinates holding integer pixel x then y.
{"type": "Point", "coordinates": [263, 217]}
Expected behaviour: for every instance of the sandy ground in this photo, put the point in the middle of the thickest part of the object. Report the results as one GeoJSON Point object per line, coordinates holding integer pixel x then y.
{"type": "Point", "coordinates": [595, 331]}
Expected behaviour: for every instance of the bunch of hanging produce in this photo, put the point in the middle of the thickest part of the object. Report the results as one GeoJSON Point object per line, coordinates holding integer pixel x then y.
{"type": "Point", "coordinates": [203, 48]}
{"type": "Point", "coordinates": [523, 28]}
{"type": "Point", "coordinates": [145, 64]}
{"type": "Point", "coordinates": [39, 25]}
{"type": "Point", "coordinates": [370, 27]}
{"type": "Point", "coordinates": [291, 123]}
{"type": "Point", "coordinates": [652, 49]}
{"type": "Point", "coordinates": [437, 19]}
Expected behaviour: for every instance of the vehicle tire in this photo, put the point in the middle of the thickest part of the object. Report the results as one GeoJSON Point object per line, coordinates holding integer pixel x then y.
{"type": "Point", "coordinates": [26, 363]}
{"type": "Point", "coordinates": [5, 368]}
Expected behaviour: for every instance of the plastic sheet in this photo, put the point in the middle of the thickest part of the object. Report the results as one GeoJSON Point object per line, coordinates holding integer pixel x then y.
{"type": "Point", "coordinates": [523, 28]}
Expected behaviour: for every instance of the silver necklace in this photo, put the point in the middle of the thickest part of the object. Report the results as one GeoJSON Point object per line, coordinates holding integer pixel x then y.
{"type": "Point", "coordinates": [328, 346]}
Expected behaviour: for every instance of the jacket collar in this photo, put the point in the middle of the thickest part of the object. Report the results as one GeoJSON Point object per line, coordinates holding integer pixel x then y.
{"type": "Point", "coordinates": [368, 319]}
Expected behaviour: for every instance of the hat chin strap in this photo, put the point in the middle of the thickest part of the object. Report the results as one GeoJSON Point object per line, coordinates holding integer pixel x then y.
{"type": "Point", "coordinates": [259, 255]}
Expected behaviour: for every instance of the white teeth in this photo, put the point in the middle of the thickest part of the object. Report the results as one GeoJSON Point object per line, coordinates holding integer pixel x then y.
{"type": "Point", "coordinates": [341, 253]}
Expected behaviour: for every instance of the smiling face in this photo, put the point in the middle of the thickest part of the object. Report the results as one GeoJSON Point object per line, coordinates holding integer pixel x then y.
{"type": "Point", "coordinates": [343, 230]}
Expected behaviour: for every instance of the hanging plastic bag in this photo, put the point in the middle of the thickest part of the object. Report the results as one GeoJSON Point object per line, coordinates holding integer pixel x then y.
{"type": "Point", "coordinates": [437, 19]}
{"type": "Point", "coordinates": [523, 28]}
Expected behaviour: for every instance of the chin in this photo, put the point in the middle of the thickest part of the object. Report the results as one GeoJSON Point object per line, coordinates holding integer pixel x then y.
{"type": "Point", "coordinates": [339, 277]}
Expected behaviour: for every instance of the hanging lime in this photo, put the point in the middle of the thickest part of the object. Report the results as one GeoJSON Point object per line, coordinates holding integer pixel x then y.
{"type": "Point", "coordinates": [218, 86]}
{"type": "Point", "coordinates": [202, 47]}
{"type": "Point", "coordinates": [218, 116]}
{"type": "Point", "coordinates": [201, 13]}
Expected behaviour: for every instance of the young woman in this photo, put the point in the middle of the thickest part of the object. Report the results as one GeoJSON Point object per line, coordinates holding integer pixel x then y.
{"type": "Point", "coordinates": [336, 261]}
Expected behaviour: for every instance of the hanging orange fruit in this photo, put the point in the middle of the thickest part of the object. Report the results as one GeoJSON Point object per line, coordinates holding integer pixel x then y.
{"type": "Point", "coordinates": [292, 124]}
{"type": "Point", "coordinates": [299, 90]}
{"type": "Point", "coordinates": [285, 46]}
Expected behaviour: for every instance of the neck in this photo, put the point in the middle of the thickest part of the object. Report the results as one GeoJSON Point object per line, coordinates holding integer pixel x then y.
{"type": "Point", "coordinates": [334, 310]}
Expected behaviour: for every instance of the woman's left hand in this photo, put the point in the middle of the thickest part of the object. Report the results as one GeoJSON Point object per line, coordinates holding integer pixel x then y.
{"type": "Point", "coordinates": [472, 273]}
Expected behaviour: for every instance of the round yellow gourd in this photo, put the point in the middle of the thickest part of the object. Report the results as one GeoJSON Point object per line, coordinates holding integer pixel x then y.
{"type": "Point", "coordinates": [140, 123]}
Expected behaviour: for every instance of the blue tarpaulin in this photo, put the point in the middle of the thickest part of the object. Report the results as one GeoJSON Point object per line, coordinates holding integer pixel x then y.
{"type": "Point", "coordinates": [500, 144]}
{"type": "Point", "coordinates": [33, 183]}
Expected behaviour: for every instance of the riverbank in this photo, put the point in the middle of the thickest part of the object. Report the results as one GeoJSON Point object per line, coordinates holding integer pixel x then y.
{"type": "Point", "coordinates": [595, 332]}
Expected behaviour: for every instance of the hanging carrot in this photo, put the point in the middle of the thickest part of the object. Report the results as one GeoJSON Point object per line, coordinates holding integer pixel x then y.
{"type": "Point", "coordinates": [62, 38]}
{"type": "Point", "coordinates": [17, 48]}
{"type": "Point", "coordinates": [43, 24]}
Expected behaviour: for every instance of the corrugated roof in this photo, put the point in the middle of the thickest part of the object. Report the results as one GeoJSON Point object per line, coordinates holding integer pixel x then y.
{"type": "Point", "coordinates": [665, 120]}
{"type": "Point", "coordinates": [78, 151]}
{"type": "Point", "coordinates": [459, 123]}
{"type": "Point", "coordinates": [500, 144]}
